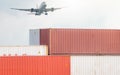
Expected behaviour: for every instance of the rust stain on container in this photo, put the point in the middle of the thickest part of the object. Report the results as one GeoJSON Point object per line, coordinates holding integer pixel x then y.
{"type": "Point", "coordinates": [81, 41]}
{"type": "Point", "coordinates": [42, 65]}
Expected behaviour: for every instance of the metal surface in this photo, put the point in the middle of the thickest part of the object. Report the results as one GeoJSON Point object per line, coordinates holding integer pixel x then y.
{"type": "Point", "coordinates": [44, 36]}
{"type": "Point", "coordinates": [39, 65]}
{"type": "Point", "coordinates": [95, 65]}
{"type": "Point", "coordinates": [81, 41]}
{"type": "Point", "coordinates": [23, 50]}
{"type": "Point", "coordinates": [34, 37]}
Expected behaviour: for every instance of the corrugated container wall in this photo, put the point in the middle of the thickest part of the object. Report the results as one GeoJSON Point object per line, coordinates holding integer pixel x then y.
{"type": "Point", "coordinates": [95, 65]}
{"type": "Point", "coordinates": [34, 37]}
{"type": "Point", "coordinates": [35, 65]}
{"type": "Point", "coordinates": [81, 41]}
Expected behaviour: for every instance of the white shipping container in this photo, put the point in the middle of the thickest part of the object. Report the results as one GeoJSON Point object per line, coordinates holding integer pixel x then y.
{"type": "Point", "coordinates": [34, 37]}
{"type": "Point", "coordinates": [24, 50]}
{"type": "Point", "coordinates": [95, 65]}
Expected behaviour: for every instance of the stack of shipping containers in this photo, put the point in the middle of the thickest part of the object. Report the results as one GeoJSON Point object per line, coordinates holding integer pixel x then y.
{"type": "Point", "coordinates": [91, 51]}
{"type": "Point", "coordinates": [70, 52]}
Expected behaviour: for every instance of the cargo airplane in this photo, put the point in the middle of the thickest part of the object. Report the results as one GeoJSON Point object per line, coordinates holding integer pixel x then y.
{"type": "Point", "coordinates": [40, 10]}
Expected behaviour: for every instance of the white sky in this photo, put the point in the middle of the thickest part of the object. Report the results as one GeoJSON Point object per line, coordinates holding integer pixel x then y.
{"type": "Point", "coordinates": [15, 25]}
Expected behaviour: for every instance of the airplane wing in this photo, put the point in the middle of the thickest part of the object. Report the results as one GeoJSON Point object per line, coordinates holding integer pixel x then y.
{"type": "Point", "coordinates": [21, 9]}
{"type": "Point", "coordinates": [51, 9]}
{"type": "Point", "coordinates": [30, 10]}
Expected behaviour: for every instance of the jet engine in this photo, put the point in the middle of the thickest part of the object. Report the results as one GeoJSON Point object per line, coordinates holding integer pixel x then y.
{"type": "Point", "coordinates": [52, 9]}
{"type": "Point", "coordinates": [32, 9]}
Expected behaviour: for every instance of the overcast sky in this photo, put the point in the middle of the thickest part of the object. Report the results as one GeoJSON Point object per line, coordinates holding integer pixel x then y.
{"type": "Point", "coordinates": [15, 25]}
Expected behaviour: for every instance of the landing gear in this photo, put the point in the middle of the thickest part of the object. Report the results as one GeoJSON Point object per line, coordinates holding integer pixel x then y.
{"type": "Point", "coordinates": [46, 13]}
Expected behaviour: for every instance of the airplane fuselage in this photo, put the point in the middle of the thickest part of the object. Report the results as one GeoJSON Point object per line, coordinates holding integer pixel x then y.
{"type": "Point", "coordinates": [41, 8]}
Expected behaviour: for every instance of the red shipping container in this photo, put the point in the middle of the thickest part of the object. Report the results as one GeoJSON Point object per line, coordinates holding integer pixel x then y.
{"type": "Point", "coordinates": [81, 41]}
{"type": "Point", "coordinates": [41, 65]}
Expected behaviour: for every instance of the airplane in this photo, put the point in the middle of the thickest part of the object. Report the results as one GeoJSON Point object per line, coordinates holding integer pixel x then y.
{"type": "Point", "coordinates": [40, 10]}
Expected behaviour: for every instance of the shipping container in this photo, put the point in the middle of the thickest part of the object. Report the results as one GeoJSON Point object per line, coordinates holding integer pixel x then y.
{"type": "Point", "coordinates": [23, 50]}
{"type": "Point", "coordinates": [80, 41]}
{"type": "Point", "coordinates": [95, 65]}
{"type": "Point", "coordinates": [60, 65]}
{"type": "Point", "coordinates": [35, 65]}
{"type": "Point", "coordinates": [34, 37]}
